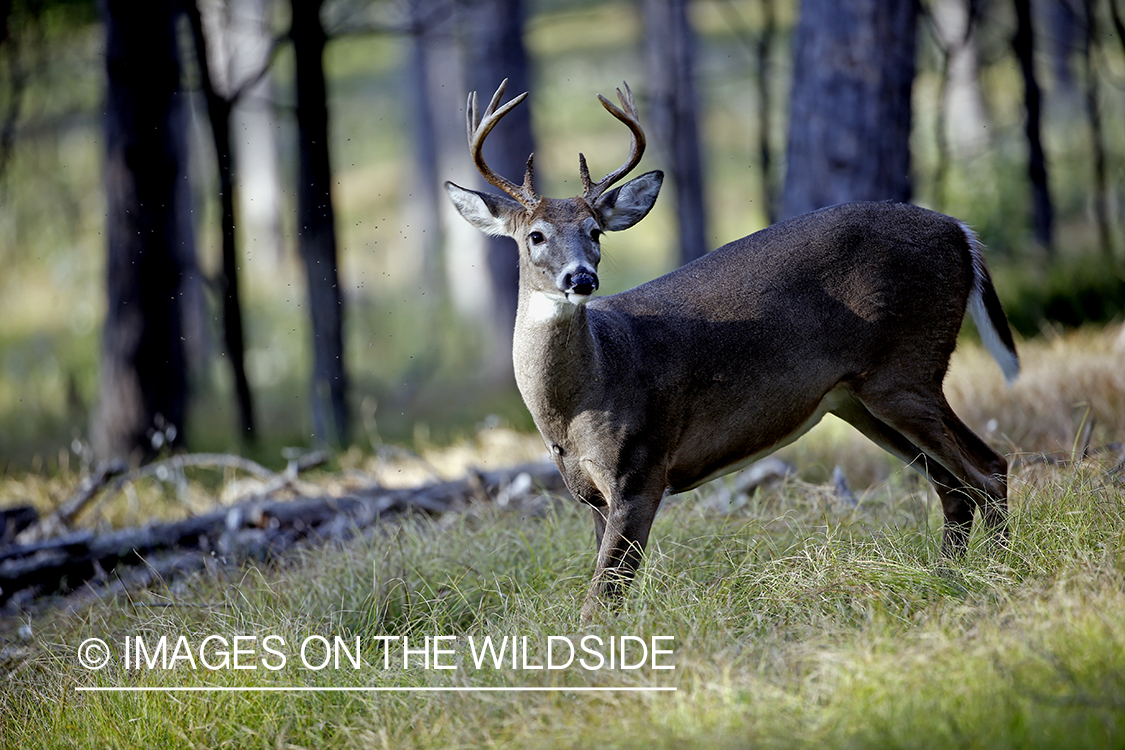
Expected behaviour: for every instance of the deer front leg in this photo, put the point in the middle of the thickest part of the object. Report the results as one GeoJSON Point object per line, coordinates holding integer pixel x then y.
{"type": "Point", "coordinates": [599, 524]}
{"type": "Point", "coordinates": [622, 535]}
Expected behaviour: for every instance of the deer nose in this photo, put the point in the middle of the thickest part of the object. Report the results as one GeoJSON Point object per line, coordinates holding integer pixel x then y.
{"type": "Point", "coordinates": [583, 282]}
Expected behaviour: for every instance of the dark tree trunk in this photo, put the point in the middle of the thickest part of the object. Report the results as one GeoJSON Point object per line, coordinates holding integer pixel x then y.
{"type": "Point", "coordinates": [763, 79]}
{"type": "Point", "coordinates": [1097, 136]}
{"type": "Point", "coordinates": [494, 50]}
{"type": "Point", "coordinates": [316, 226]}
{"type": "Point", "coordinates": [1066, 29]}
{"type": "Point", "coordinates": [1115, 15]}
{"type": "Point", "coordinates": [151, 253]}
{"type": "Point", "coordinates": [850, 115]}
{"type": "Point", "coordinates": [219, 112]}
{"type": "Point", "coordinates": [1024, 46]}
{"type": "Point", "coordinates": [16, 83]}
{"type": "Point", "coordinates": [670, 54]}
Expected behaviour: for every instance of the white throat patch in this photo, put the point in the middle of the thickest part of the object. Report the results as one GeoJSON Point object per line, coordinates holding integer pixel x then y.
{"type": "Point", "coordinates": [544, 307]}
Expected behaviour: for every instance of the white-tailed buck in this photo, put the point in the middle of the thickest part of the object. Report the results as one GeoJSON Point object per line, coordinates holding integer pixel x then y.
{"type": "Point", "coordinates": [852, 310]}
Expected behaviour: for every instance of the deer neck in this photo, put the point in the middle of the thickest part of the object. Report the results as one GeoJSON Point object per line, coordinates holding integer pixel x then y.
{"type": "Point", "coordinates": [555, 357]}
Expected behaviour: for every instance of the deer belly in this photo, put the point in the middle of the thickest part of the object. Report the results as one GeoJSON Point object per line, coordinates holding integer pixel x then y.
{"type": "Point", "coordinates": [701, 467]}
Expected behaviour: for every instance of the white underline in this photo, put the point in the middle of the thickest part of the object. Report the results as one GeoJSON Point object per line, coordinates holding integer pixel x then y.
{"type": "Point", "coordinates": [299, 689]}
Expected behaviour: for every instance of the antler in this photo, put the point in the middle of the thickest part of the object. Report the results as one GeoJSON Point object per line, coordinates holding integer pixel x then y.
{"type": "Point", "coordinates": [479, 128]}
{"type": "Point", "coordinates": [591, 191]}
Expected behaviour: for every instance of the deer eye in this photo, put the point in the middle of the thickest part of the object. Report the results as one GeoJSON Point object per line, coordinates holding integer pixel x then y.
{"type": "Point", "coordinates": [596, 234]}
{"type": "Point", "coordinates": [537, 238]}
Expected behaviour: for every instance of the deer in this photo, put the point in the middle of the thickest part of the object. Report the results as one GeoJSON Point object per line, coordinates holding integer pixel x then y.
{"type": "Point", "coordinates": [852, 310]}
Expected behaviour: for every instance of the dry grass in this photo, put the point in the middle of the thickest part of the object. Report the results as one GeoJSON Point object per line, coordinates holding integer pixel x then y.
{"type": "Point", "coordinates": [1066, 378]}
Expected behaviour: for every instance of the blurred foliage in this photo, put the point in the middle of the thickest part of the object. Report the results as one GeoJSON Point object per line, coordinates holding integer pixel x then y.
{"type": "Point", "coordinates": [1068, 291]}
{"type": "Point", "coordinates": [416, 367]}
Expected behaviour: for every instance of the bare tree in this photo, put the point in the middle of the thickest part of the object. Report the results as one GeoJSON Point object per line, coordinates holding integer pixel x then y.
{"type": "Point", "coordinates": [1115, 15]}
{"type": "Point", "coordinates": [316, 225]}
{"type": "Point", "coordinates": [760, 46]}
{"type": "Point", "coordinates": [670, 57]}
{"type": "Point", "coordinates": [9, 48]}
{"type": "Point", "coordinates": [1097, 135]}
{"type": "Point", "coordinates": [150, 244]}
{"type": "Point", "coordinates": [1065, 30]}
{"type": "Point", "coordinates": [219, 108]}
{"type": "Point", "coordinates": [1023, 44]}
{"type": "Point", "coordinates": [765, 109]}
{"type": "Point", "coordinates": [850, 113]}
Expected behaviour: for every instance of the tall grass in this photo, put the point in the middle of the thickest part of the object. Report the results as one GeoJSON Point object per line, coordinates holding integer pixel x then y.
{"type": "Point", "coordinates": [797, 622]}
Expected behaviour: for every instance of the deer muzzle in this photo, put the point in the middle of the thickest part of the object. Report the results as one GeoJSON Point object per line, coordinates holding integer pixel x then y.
{"type": "Point", "coordinates": [581, 282]}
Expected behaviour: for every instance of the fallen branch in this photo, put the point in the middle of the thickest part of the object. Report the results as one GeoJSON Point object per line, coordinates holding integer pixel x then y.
{"type": "Point", "coordinates": [257, 528]}
{"type": "Point", "coordinates": [62, 520]}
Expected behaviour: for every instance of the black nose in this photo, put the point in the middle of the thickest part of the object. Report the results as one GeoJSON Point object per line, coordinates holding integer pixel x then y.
{"type": "Point", "coordinates": [581, 282]}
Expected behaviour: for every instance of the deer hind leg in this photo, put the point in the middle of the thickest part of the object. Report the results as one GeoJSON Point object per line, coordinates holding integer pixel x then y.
{"type": "Point", "coordinates": [622, 530]}
{"type": "Point", "coordinates": [956, 506]}
{"type": "Point", "coordinates": [923, 431]}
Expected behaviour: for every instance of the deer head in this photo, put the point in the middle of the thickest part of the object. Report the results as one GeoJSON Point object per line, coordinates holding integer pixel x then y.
{"type": "Point", "coordinates": [558, 238]}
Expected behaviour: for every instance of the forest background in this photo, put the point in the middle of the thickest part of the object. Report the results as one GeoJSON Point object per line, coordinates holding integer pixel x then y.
{"type": "Point", "coordinates": [1014, 123]}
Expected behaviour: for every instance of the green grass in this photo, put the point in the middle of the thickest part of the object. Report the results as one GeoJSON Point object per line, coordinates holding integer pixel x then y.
{"type": "Point", "coordinates": [797, 623]}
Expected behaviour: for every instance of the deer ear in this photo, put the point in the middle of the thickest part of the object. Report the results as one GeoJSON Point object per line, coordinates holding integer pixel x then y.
{"type": "Point", "coordinates": [492, 214]}
{"type": "Point", "coordinates": [624, 206]}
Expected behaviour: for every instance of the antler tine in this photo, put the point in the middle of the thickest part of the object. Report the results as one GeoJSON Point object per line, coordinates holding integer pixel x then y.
{"type": "Point", "coordinates": [472, 114]}
{"type": "Point", "coordinates": [479, 126]}
{"type": "Point", "coordinates": [472, 119]}
{"type": "Point", "coordinates": [496, 97]}
{"type": "Point", "coordinates": [626, 113]}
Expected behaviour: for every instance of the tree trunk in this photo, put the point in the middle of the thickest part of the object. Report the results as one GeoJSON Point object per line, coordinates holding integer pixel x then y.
{"type": "Point", "coordinates": [850, 115]}
{"type": "Point", "coordinates": [1097, 136]}
{"type": "Point", "coordinates": [219, 108]}
{"type": "Point", "coordinates": [1024, 46]}
{"type": "Point", "coordinates": [494, 50]}
{"type": "Point", "coordinates": [16, 82]}
{"type": "Point", "coordinates": [151, 253]}
{"type": "Point", "coordinates": [670, 56]}
{"type": "Point", "coordinates": [763, 80]}
{"type": "Point", "coordinates": [316, 226]}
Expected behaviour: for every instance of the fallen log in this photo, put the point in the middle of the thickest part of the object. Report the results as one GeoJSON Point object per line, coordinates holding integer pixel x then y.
{"type": "Point", "coordinates": [258, 527]}
{"type": "Point", "coordinates": [63, 518]}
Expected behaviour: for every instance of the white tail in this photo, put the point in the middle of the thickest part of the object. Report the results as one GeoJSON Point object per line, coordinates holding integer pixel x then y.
{"type": "Point", "coordinates": [852, 310]}
{"type": "Point", "coordinates": [985, 308]}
